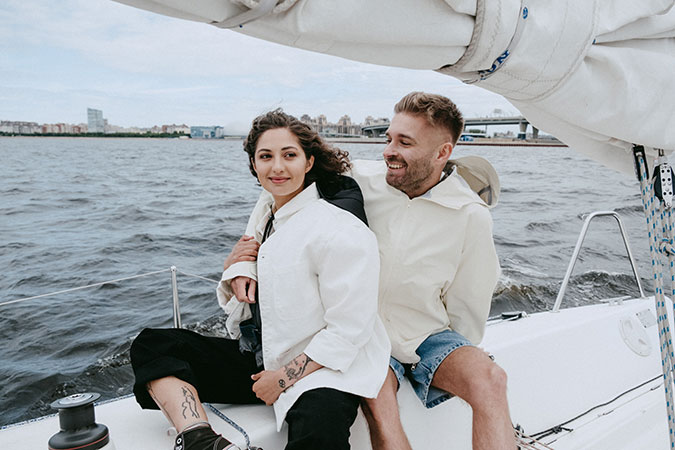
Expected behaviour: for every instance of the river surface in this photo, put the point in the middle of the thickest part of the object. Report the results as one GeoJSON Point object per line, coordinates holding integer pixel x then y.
{"type": "Point", "coordinates": [77, 211]}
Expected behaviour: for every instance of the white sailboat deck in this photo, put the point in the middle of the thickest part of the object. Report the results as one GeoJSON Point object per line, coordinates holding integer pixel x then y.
{"type": "Point", "coordinates": [560, 365]}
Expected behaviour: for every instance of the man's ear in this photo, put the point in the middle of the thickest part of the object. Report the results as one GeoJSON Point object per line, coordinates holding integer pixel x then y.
{"type": "Point", "coordinates": [444, 152]}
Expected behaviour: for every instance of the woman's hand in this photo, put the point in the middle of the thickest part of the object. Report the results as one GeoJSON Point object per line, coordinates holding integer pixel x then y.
{"type": "Point", "coordinates": [268, 386]}
{"type": "Point", "coordinates": [244, 289]}
{"type": "Point", "coordinates": [246, 249]}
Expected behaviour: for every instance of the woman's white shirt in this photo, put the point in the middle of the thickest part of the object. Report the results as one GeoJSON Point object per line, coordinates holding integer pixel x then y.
{"type": "Point", "coordinates": [318, 288]}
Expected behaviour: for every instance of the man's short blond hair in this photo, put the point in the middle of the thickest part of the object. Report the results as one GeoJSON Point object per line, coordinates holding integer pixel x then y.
{"type": "Point", "coordinates": [439, 111]}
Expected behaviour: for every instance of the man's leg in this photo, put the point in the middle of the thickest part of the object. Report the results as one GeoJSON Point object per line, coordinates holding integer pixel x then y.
{"type": "Point", "coordinates": [384, 421]}
{"type": "Point", "coordinates": [469, 373]}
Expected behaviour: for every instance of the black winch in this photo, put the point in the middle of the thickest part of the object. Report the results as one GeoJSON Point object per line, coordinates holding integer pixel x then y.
{"type": "Point", "coordinates": [78, 427]}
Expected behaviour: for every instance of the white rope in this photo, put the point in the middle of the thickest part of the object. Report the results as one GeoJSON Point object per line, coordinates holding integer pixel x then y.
{"type": "Point", "coordinates": [665, 339]}
{"type": "Point", "coordinates": [18, 300]}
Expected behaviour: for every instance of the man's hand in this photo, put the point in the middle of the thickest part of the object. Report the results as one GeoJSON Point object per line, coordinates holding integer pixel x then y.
{"type": "Point", "coordinates": [244, 289]}
{"type": "Point", "coordinates": [268, 386]}
{"type": "Point", "coordinates": [246, 249]}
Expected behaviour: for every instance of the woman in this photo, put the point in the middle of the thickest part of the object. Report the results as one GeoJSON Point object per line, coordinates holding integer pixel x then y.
{"type": "Point", "coordinates": [322, 345]}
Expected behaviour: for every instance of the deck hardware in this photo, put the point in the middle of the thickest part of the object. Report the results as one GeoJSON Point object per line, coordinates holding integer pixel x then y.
{"type": "Point", "coordinates": [663, 180]}
{"type": "Point", "coordinates": [639, 153]}
{"type": "Point", "coordinates": [635, 336]}
{"type": "Point", "coordinates": [78, 425]}
{"type": "Point", "coordinates": [580, 241]}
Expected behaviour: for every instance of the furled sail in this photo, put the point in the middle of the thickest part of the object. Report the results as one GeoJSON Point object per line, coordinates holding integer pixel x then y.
{"type": "Point", "coordinates": [599, 75]}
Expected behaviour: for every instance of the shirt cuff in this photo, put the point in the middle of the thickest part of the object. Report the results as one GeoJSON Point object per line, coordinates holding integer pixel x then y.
{"type": "Point", "coordinates": [241, 269]}
{"type": "Point", "coordinates": [332, 351]}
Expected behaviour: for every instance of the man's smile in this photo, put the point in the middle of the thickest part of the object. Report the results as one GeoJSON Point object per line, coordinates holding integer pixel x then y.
{"type": "Point", "coordinates": [394, 165]}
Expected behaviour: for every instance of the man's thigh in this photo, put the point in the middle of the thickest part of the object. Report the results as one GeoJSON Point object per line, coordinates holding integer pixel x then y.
{"type": "Point", "coordinates": [433, 351]}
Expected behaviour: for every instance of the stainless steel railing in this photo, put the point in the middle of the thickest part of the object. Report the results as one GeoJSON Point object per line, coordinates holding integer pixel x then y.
{"type": "Point", "coordinates": [580, 241]}
{"type": "Point", "coordinates": [174, 288]}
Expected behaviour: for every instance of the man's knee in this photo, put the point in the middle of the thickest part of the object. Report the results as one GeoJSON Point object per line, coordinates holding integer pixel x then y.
{"type": "Point", "coordinates": [470, 374]}
{"type": "Point", "coordinates": [487, 385]}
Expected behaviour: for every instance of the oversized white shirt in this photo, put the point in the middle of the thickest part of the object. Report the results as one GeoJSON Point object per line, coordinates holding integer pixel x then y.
{"type": "Point", "coordinates": [438, 262]}
{"type": "Point", "coordinates": [318, 283]}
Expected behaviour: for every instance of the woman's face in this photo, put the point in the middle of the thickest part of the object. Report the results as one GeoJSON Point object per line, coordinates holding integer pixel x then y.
{"type": "Point", "coordinates": [281, 164]}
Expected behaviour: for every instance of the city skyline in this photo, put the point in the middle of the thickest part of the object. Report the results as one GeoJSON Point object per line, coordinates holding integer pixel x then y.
{"type": "Point", "coordinates": [143, 69]}
{"type": "Point", "coordinates": [96, 123]}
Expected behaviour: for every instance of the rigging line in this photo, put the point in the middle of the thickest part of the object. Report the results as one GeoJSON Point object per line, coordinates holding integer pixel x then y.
{"type": "Point", "coordinates": [197, 276]}
{"type": "Point", "coordinates": [559, 426]}
{"type": "Point", "coordinates": [82, 287]}
{"type": "Point", "coordinates": [649, 201]}
{"type": "Point", "coordinates": [232, 423]}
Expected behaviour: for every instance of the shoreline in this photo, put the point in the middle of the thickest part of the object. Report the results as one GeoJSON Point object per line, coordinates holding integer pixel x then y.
{"type": "Point", "coordinates": [497, 142]}
{"type": "Point", "coordinates": [494, 142]}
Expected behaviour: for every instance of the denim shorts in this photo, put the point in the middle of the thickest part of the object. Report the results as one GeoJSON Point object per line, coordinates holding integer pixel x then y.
{"type": "Point", "coordinates": [432, 352]}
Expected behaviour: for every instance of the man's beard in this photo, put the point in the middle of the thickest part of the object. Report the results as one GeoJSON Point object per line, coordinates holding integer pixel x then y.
{"type": "Point", "coordinates": [416, 175]}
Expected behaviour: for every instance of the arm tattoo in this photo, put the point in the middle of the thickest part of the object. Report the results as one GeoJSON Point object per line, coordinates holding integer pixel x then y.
{"type": "Point", "coordinates": [295, 369]}
{"type": "Point", "coordinates": [282, 384]}
{"type": "Point", "coordinates": [189, 403]}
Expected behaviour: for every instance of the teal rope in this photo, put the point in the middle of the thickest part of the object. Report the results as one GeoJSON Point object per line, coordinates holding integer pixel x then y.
{"type": "Point", "coordinates": [665, 339]}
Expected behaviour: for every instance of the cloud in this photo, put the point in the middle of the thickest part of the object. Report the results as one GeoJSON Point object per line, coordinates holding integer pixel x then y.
{"type": "Point", "coordinates": [143, 69]}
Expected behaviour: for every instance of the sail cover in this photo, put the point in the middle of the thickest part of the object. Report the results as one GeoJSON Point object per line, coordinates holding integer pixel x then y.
{"type": "Point", "coordinates": [599, 75]}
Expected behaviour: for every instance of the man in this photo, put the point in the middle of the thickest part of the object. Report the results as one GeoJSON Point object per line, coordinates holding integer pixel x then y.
{"type": "Point", "coordinates": [438, 272]}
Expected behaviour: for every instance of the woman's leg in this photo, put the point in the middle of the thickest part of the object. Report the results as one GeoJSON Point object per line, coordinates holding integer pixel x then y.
{"type": "Point", "coordinates": [177, 369]}
{"type": "Point", "coordinates": [322, 418]}
{"type": "Point", "coordinates": [179, 401]}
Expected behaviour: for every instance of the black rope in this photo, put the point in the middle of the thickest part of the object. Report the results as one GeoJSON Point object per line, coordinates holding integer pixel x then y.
{"type": "Point", "coordinates": [561, 427]}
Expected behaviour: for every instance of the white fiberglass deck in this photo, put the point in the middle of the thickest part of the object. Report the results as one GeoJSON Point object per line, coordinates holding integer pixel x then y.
{"type": "Point", "coordinates": [560, 365]}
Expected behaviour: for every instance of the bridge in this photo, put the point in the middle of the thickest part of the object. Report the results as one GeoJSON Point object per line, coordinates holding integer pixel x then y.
{"type": "Point", "coordinates": [380, 128]}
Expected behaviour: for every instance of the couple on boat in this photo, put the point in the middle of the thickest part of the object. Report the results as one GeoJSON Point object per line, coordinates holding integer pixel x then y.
{"type": "Point", "coordinates": [350, 277]}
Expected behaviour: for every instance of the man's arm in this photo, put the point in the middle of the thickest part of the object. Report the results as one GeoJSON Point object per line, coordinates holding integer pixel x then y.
{"type": "Point", "coordinates": [469, 296]}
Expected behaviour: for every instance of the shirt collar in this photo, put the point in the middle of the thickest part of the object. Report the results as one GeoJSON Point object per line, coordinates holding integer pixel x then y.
{"type": "Point", "coordinates": [308, 195]}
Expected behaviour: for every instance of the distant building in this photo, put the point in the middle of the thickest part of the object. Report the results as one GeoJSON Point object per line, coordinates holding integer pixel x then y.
{"type": "Point", "coordinates": [20, 127]}
{"type": "Point", "coordinates": [214, 132]}
{"type": "Point", "coordinates": [345, 127]}
{"type": "Point", "coordinates": [321, 125]}
{"type": "Point", "coordinates": [179, 129]}
{"type": "Point", "coordinates": [95, 122]}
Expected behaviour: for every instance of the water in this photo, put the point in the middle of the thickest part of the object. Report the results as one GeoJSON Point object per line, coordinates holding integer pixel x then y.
{"type": "Point", "coordinates": [77, 211]}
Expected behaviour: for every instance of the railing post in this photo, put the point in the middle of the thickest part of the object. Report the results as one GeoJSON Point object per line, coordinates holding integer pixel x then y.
{"type": "Point", "coordinates": [176, 306]}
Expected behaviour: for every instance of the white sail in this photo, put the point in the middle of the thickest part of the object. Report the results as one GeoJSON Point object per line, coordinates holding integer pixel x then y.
{"type": "Point", "coordinates": [599, 75]}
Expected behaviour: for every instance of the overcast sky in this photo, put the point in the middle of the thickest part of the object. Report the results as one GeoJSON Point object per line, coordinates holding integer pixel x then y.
{"type": "Point", "coordinates": [59, 57]}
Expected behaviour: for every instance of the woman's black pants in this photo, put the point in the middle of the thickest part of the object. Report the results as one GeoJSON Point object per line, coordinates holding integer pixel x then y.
{"type": "Point", "coordinates": [320, 418]}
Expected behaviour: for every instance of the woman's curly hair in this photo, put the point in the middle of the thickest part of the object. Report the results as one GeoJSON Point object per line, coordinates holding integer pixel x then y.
{"type": "Point", "coordinates": [329, 162]}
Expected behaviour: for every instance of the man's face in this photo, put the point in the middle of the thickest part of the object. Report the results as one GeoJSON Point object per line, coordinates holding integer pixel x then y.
{"type": "Point", "coordinates": [412, 154]}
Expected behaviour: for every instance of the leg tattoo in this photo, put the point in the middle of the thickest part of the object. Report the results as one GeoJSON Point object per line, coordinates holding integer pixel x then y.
{"type": "Point", "coordinates": [189, 404]}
